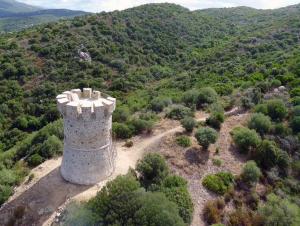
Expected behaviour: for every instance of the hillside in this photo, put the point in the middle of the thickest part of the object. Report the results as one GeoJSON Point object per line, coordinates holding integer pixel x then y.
{"type": "Point", "coordinates": [15, 16]}
{"type": "Point", "coordinates": [8, 7]}
{"type": "Point", "coordinates": [147, 57]}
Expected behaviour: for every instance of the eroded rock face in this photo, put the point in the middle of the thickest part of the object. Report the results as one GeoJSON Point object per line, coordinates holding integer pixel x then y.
{"type": "Point", "coordinates": [88, 155]}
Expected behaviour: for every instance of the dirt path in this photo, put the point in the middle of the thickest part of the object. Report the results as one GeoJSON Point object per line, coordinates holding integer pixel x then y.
{"type": "Point", "coordinates": [47, 193]}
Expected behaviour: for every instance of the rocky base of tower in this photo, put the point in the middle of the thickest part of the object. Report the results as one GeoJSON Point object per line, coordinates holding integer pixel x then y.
{"type": "Point", "coordinates": [87, 167]}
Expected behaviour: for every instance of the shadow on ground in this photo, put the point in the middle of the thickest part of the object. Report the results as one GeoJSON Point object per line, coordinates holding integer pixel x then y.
{"type": "Point", "coordinates": [196, 156]}
{"type": "Point", "coordinates": [36, 204]}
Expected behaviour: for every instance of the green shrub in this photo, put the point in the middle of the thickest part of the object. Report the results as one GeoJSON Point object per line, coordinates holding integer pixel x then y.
{"type": "Point", "coordinates": [121, 114]}
{"type": "Point", "coordinates": [139, 126]}
{"type": "Point", "coordinates": [158, 104]}
{"type": "Point", "coordinates": [121, 130]}
{"type": "Point", "coordinates": [51, 147]}
{"type": "Point", "coordinates": [245, 139]}
{"type": "Point", "coordinates": [215, 119]}
{"type": "Point", "coordinates": [188, 123]}
{"type": "Point", "coordinates": [156, 210]}
{"type": "Point", "coordinates": [295, 124]}
{"type": "Point", "coordinates": [174, 181]}
{"type": "Point", "coordinates": [276, 109]}
{"type": "Point", "coordinates": [280, 129]}
{"type": "Point", "coordinates": [180, 196]}
{"type": "Point", "coordinates": [179, 112]}
{"type": "Point", "coordinates": [266, 155]}
{"type": "Point", "coordinates": [35, 160]}
{"type": "Point", "coordinates": [260, 122]}
{"type": "Point", "coordinates": [278, 211]}
{"type": "Point", "coordinates": [206, 136]}
{"type": "Point", "coordinates": [153, 169]}
{"type": "Point", "coordinates": [5, 192]}
{"type": "Point", "coordinates": [184, 141]}
{"type": "Point", "coordinates": [261, 108]}
{"type": "Point", "coordinates": [207, 95]}
{"type": "Point", "coordinates": [218, 183]}
{"type": "Point", "coordinates": [251, 173]}
{"type": "Point", "coordinates": [189, 98]}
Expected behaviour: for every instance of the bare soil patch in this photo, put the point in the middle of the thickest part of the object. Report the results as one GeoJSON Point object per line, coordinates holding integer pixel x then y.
{"type": "Point", "coordinates": [193, 163]}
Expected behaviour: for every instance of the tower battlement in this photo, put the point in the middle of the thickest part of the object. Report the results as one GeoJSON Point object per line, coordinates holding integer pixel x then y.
{"type": "Point", "coordinates": [85, 104]}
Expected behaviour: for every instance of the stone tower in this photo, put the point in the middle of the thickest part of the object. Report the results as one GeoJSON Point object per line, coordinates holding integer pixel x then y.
{"type": "Point", "coordinates": [88, 152]}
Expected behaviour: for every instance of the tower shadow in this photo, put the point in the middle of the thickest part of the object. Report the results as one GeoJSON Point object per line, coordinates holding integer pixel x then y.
{"type": "Point", "coordinates": [39, 202]}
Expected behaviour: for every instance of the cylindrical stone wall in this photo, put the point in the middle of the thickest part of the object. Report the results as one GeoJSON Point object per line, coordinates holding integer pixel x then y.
{"type": "Point", "coordinates": [88, 155]}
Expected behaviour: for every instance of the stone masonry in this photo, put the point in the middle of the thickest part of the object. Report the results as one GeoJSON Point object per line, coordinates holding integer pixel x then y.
{"type": "Point", "coordinates": [89, 156]}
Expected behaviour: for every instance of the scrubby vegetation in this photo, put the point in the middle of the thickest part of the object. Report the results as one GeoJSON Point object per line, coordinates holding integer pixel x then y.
{"type": "Point", "coordinates": [218, 183]}
{"type": "Point", "coordinates": [163, 199]}
{"type": "Point", "coordinates": [163, 60]}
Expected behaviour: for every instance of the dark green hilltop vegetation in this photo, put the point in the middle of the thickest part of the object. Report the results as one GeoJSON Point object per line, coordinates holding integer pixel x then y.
{"type": "Point", "coordinates": [15, 15]}
{"type": "Point", "coordinates": [164, 58]}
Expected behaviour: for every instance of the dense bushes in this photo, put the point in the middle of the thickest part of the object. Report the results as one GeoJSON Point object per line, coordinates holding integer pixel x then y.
{"type": "Point", "coordinates": [269, 155]}
{"type": "Point", "coordinates": [278, 211]}
{"type": "Point", "coordinates": [179, 112]}
{"type": "Point", "coordinates": [124, 201]}
{"type": "Point", "coordinates": [260, 122]}
{"type": "Point", "coordinates": [245, 139]}
{"type": "Point", "coordinates": [206, 136]}
{"type": "Point", "coordinates": [206, 96]}
{"type": "Point", "coordinates": [218, 183]}
{"type": "Point", "coordinates": [276, 109]}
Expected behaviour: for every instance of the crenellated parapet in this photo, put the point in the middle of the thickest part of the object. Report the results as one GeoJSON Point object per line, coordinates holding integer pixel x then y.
{"type": "Point", "coordinates": [86, 104]}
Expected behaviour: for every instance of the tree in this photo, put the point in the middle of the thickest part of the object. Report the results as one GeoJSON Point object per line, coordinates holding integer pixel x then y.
{"type": "Point", "coordinates": [251, 172]}
{"type": "Point", "coordinates": [279, 212]}
{"type": "Point", "coordinates": [207, 95]}
{"type": "Point", "coordinates": [206, 136]}
{"type": "Point", "coordinates": [260, 122]}
{"type": "Point", "coordinates": [153, 169]}
{"type": "Point", "coordinates": [245, 139]}
{"type": "Point", "coordinates": [188, 123]}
